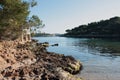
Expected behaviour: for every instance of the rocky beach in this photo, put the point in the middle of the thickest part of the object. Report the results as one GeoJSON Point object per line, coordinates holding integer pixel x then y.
{"type": "Point", "coordinates": [31, 61]}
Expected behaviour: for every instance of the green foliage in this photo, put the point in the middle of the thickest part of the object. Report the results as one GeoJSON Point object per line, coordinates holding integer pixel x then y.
{"type": "Point", "coordinates": [35, 21]}
{"type": "Point", "coordinates": [35, 24]}
{"type": "Point", "coordinates": [103, 27]}
{"type": "Point", "coordinates": [33, 3]}
{"type": "Point", "coordinates": [14, 16]}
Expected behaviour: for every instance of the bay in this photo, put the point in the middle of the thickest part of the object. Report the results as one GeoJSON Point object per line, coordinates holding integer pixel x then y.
{"type": "Point", "coordinates": [100, 57]}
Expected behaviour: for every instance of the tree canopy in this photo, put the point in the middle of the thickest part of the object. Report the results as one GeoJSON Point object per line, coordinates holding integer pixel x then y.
{"type": "Point", "coordinates": [110, 27]}
{"type": "Point", "coordinates": [14, 15]}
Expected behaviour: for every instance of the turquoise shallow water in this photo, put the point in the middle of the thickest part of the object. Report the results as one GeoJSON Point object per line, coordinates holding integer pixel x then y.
{"type": "Point", "coordinates": [100, 57]}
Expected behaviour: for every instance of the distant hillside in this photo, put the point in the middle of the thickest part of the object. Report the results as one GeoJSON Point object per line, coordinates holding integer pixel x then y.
{"type": "Point", "coordinates": [46, 35]}
{"type": "Point", "coordinates": [103, 28]}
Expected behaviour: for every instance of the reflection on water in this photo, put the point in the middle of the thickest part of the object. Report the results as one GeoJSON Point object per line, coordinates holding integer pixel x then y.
{"type": "Point", "coordinates": [102, 47]}
{"type": "Point", "coordinates": [79, 46]}
{"type": "Point", "coordinates": [100, 57]}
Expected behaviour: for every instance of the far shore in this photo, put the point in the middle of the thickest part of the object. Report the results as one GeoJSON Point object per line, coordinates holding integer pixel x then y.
{"type": "Point", "coordinates": [93, 36]}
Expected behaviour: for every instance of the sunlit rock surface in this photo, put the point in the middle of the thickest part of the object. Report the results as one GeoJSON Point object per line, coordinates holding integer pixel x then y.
{"type": "Point", "coordinates": [31, 61]}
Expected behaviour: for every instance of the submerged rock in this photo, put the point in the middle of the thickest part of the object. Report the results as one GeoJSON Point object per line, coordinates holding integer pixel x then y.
{"type": "Point", "coordinates": [64, 75]}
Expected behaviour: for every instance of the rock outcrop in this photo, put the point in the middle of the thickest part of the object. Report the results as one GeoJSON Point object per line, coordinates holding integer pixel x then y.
{"type": "Point", "coordinates": [31, 61]}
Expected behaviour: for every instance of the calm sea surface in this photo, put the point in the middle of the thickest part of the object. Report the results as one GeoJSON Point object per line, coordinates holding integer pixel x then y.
{"type": "Point", "coordinates": [100, 57]}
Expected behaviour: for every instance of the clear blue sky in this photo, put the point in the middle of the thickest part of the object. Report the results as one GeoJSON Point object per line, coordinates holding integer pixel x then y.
{"type": "Point", "coordinates": [59, 15]}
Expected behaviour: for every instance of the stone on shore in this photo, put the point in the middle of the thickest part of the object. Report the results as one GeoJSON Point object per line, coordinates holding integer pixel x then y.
{"type": "Point", "coordinates": [31, 61]}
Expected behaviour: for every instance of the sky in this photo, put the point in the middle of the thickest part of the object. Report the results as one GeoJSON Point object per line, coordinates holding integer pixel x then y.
{"type": "Point", "coordinates": [59, 15]}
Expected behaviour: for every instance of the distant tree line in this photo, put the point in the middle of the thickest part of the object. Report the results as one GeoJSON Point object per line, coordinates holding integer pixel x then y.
{"type": "Point", "coordinates": [103, 28]}
{"type": "Point", "coordinates": [46, 34]}
{"type": "Point", "coordinates": [42, 35]}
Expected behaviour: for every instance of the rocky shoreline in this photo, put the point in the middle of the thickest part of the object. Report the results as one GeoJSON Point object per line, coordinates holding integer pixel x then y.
{"type": "Point", "coordinates": [31, 61]}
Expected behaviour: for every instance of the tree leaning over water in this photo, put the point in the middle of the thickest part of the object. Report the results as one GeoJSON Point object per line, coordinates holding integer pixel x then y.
{"type": "Point", "coordinates": [14, 16]}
